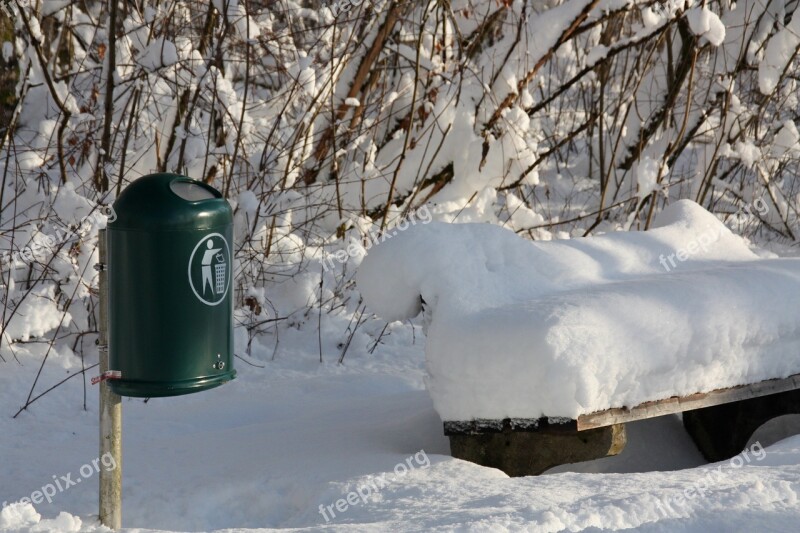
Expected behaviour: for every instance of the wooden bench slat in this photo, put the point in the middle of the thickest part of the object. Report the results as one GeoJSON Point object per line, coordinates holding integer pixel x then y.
{"type": "Point", "coordinates": [675, 404]}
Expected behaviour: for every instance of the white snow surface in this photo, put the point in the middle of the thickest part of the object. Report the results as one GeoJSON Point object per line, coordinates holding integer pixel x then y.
{"type": "Point", "coordinates": [780, 50]}
{"type": "Point", "coordinates": [705, 23]}
{"type": "Point", "coordinates": [521, 329]}
{"type": "Point", "coordinates": [160, 53]}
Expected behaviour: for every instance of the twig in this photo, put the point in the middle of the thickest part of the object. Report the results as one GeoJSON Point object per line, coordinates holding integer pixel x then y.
{"type": "Point", "coordinates": [248, 362]}
{"type": "Point", "coordinates": [352, 333]}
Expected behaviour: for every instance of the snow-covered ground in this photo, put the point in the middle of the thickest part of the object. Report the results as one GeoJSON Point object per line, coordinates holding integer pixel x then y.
{"type": "Point", "coordinates": [267, 450]}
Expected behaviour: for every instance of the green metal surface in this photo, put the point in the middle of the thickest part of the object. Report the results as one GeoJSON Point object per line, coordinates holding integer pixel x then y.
{"type": "Point", "coordinates": [170, 288]}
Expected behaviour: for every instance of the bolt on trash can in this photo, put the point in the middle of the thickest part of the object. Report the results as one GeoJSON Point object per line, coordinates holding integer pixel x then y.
{"type": "Point", "coordinates": [170, 288]}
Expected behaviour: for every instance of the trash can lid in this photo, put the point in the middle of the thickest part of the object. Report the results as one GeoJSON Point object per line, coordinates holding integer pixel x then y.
{"type": "Point", "coordinates": [164, 202]}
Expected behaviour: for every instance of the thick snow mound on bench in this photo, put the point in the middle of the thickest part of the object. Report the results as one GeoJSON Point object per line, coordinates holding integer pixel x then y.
{"type": "Point", "coordinates": [468, 267]}
{"type": "Point", "coordinates": [522, 329]}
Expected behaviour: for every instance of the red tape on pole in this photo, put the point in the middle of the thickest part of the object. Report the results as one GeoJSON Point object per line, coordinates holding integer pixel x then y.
{"type": "Point", "coordinates": [105, 376]}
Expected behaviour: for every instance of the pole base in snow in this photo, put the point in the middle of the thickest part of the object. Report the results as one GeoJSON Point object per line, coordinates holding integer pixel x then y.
{"type": "Point", "coordinates": [532, 450]}
{"type": "Point", "coordinates": [722, 431]}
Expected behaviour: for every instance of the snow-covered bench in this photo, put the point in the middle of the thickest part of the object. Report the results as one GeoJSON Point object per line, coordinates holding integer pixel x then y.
{"type": "Point", "coordinates": [539, 352]}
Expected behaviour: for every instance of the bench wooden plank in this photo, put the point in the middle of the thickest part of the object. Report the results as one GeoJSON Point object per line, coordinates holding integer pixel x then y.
{"type": "Point", "coordinates": [675, 404]}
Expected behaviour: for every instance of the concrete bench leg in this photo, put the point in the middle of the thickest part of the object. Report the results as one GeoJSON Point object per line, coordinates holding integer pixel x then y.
{"type": "Point", "coordinates": [529, 453]}
{"type": "Point", "coordinates": [722, 431]}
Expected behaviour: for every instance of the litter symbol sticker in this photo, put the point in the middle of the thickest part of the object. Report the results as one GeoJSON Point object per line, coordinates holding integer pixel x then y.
{"type": "Point", "coordinates": [210, 269]}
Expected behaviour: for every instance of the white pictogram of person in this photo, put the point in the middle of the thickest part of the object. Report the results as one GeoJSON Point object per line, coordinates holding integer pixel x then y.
{"type": "Point", "coordinates": [208, 256]}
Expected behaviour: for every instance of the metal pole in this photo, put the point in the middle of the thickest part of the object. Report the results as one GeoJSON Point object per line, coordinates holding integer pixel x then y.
{"type": "Point", "coordinates": [110, 412]}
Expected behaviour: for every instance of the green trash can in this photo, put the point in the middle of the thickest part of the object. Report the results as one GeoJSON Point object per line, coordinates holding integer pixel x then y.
{"type": "Point", "coordinates": [170, 288]}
